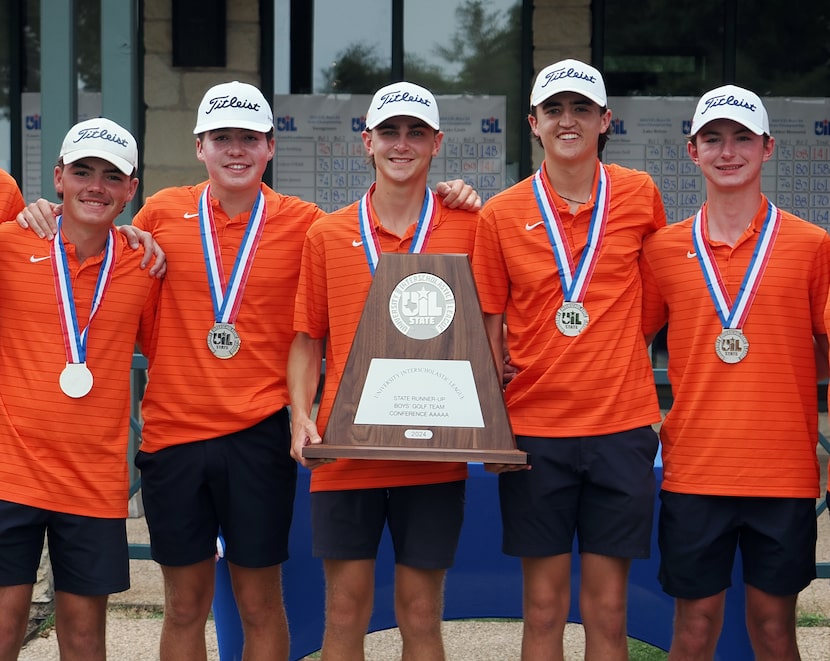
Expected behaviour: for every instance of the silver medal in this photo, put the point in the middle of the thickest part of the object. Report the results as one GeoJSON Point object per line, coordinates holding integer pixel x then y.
{"type": "Point", "coordinates": [223, 341]}
{"type": "Point", "coordinates": [572, 318]}
{"type": "Point", "coordinates": [732, 345]}
{"type": "Point", "coordinates": [76, 380]}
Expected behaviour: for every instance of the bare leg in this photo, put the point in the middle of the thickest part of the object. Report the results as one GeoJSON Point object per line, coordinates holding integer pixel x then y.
{"type": "Point", "coordinates": [419, 608]}
{"type": "Point", "coordinates": [14, 616]}
{"type": "Point", "coordinates": [188, 595]}
{"type": "Point", "coordinates": [350, 586]}
{"type": "Point", "coordinates": [697, 627]}
{"type": "Point", "coordinates": [546, 601]}
{"type": "Point", "coordinates": [81, 626]}
{"type": "Point", "coordinates": [770, 621]}
{"type": "Point", "coordinates": [602, 603]}
{"type": "Point", "coordinates": [258, 594]}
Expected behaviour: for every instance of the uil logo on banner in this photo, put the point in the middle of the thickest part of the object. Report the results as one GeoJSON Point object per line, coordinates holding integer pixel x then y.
{"type": "Point", "coordinates": [422, 306]}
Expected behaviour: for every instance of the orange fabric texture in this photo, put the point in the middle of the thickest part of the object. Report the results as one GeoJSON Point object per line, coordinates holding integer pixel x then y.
{"type": "Point", "coordinates": [334, 285]}
{"type": "Point", "coordinates": [11, 199]}
{"type": "Point", "coordinates": [59, 453]}
{"type": "Point", "coordinates": [750, 428]}
{"type": "Point", "coordinates": [601, 381]}
{"type": "Point", "coordinates": [192, 395]}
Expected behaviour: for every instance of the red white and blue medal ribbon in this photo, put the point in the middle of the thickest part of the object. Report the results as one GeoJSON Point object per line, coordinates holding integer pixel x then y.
{"type": "Point", "coordinates": [369, 235]}
{"type": "Point", "coordinates": [76, 378]}
{"type": "Point", "coordinates": [732, 345]}
{"type": "Point", "coordinates": [572, 318]}
{"type": "Point", "coordinates": [223, 340]}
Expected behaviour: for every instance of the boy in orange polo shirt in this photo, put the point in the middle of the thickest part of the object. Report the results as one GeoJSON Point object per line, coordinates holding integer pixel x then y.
{"type": "Point", "coordinates": [71, 313]}
{"type": "Point", "coordinates": [353, 499]}
{"type": "Point", "coordinates": [556, 258]}
{"type": "Point", "coordinates": [743, 288]}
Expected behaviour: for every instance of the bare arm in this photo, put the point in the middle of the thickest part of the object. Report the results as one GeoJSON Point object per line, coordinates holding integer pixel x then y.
{"type": "Point", "coordinates": [305, 359]}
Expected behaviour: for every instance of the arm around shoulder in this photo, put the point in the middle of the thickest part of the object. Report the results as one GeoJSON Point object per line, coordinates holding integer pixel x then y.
{"type": "Point", "coordinates": [41, 218]}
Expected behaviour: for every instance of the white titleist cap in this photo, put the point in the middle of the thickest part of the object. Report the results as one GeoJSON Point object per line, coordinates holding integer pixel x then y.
{"type": "Point", "coordinates": [234, 106]}
{"type": "Point", "coordinates": [405, 99]}
{"type": "Point", "coordinates": [735, 103]}
{"type": "Point", "coordinates": [101, 138]}
{"type": "Point", "coordinates": [569, 76]}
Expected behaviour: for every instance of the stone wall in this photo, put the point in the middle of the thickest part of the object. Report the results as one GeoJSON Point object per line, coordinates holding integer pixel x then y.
{"type": "Point", "coordinates": [561, 29]}
{"type": "Point", "coordinates": [172, 94]}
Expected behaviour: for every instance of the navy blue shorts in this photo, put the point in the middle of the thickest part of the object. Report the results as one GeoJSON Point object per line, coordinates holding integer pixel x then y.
{"type": "Point", "coordinates": [89, 555]}
{"type": "Point", "coordinates": [424, 523]}
{"type": "Point", "coordinates": [698, 537]}
{"type": "Point", "coordinates": [243, 483]}
{"type": "Point", "coordinates": [599, 488]}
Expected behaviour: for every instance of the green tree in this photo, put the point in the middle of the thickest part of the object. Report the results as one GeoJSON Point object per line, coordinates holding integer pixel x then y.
{"type": "Point", "coordinates": [358, 70]}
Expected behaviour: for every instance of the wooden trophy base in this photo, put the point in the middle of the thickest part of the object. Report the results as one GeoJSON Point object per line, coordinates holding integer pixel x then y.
{"type": "Point", "coordinates": [483, 455]}
{"type": "Point", "coordinates": [420, 383]}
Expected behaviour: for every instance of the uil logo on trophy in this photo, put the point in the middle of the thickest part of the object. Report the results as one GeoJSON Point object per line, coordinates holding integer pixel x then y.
{"type": "Point", "coordinates": [422, 306]}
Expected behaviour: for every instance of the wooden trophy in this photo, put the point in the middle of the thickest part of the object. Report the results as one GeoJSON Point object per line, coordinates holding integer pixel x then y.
{"type": "Point", "coordinates": [420, 382]}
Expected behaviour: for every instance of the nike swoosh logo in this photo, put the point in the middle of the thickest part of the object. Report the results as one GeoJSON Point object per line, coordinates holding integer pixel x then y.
{"type": "Point", "coordinates": [529, 227]}
{"type": "Point", "coordinates": [191, 215]}
{"type": "Point", "coordinates": [357, 244]}
{"type": "Point", "coordinates": [34, 259]}
{"type": "Point", "coordinates": [691, 254]}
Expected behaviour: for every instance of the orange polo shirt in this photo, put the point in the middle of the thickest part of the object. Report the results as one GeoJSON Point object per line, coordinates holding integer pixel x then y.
{"type": "Point", "coordinates": [601, 381]}
{"type": "Point", "coordinates": [334, 285]}
{"type": "Point", "coordinates": [11, 199]}
{"type": "Point", "coordinates": [60, 453]}
{"type": "Point", "coordinates": [750, 428]}
{"type": "Point", "coordinates": [192, 395]}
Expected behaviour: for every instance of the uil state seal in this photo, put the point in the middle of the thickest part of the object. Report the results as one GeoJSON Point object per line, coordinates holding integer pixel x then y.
{"type": "Point", "coordinates": [422, 306]}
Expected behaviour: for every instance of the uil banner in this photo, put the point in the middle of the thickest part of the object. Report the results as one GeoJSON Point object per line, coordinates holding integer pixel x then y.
{"type": "Point", "coordinates": [320, 155]}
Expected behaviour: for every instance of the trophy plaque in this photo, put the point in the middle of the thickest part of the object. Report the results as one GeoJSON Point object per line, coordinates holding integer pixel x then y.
{"type": "Point", "coordinates": [420, 382]}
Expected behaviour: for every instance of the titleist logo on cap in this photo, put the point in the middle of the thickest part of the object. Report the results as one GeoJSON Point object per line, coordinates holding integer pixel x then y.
{"type": "Point", "coordinates": [394, 97]}
{"type": "Point", "coordinates": [727, 100]}
{"type": "Point", "coordinates": [100, 134]}
{"type": "Point", "coordinates": [221, 102]}
{"type": "Point", "coordinates": [570, 72]}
